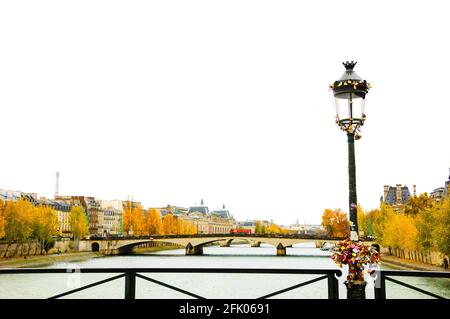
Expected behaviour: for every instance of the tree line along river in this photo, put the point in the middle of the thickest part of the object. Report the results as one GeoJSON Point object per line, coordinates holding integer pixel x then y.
{"type": "Point", "coordinates": [218, 286]}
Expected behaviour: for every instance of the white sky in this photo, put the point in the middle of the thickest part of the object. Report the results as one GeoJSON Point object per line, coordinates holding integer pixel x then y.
{"type": "Point", "coordinates": [174, 101]}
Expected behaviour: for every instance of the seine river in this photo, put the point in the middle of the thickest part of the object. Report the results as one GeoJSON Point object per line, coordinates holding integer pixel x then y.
{"type": "Point", "coordinates": [223, 286]}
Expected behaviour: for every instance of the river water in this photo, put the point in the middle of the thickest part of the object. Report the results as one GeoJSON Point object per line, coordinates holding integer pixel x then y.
{"type": "Point", "coordinates": [223, 286]}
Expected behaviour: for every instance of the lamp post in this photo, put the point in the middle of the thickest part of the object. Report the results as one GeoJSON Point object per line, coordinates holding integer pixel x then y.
{"type": "Point", "coordinates": [349, 98]}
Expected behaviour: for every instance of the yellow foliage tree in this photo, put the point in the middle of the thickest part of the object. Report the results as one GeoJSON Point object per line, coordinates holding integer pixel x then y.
{"type": "Point", "coordinates": [336, 223]}
{"type": "Point", "coordinates": [275, 229]}
{"type": "Point", "coordinates": [19, 222]}
{"type": "Point", "coordinates": [188, 228]}
{"type": "Point", "coordinates": [78, 222]}
{"type": "Point", "coordinates": [133, 221]}
{"type": "Point", "coordinates": [2, 219]}
{"type": "Point", "coordinates": [48, 221]}
{"type": "Point", "coordinates": [127, 220]}
{"type": "Point", "coordinates": [169, 225]}
{"type": "Point", "coordinates": [416, 204]}
{"type": "Point", "coordinates": [441, 231]}
{"type": "Point", "coordinates": [399, 231]}
{"type": "Point", "coordinates": [138, 221]}
{"type": "Point", "coordinates": [153, 222]}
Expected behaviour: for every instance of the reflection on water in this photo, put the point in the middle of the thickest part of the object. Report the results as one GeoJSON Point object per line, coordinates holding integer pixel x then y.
{"type": "Point", "coordinates": [302, 256]}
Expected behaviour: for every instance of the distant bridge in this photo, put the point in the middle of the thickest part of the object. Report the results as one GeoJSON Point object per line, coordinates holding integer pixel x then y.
{"type": "Point", "coordinates": [193, 244]}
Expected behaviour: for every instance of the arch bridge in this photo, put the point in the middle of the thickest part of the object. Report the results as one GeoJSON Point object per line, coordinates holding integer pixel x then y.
{"type": "Point", "coordinates": [193, 244]}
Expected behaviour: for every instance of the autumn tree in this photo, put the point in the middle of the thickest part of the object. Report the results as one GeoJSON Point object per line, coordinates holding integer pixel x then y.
{"type": "Point", "coordinates": [18, 223]}
{"type": "Point", "coordinates": [153, 222]}
{"type": "Point", "coordinates": [78, 223]}
{"type": "Point", "coordinates": [260, 228]}
{"type": "Point", "coordinates": [371, 218]}
{"type": "Point", "coordinates": [137, 221]}
{"type": "Point", "coordinates": [366, 220]}
{"type": "Point", "coordinates": [2, 219]}
{"type": "Point", "coordinates": [45, 226]}
{"type": "Point", "coordinates": [417, 204]}
{"type": "Point", "coordinates": [127, 220]}
{"type": "Point", "coordinates": [441, 230]}
{"type": "Point", "coordinates": [169, 225]}
{"type": "Point", "coordinates": [188, 228]}
{"type": "Point", "coordinates": [425, 223]}
{"type": "Point", "coordinates": [399, 232]}
{"type": "Point", "coordinates": [178, 226]}
{"type": "Point", "coordinates": [336, 223]}
{"type": "Point", "coordinates": [274, 229]}
{"type": "Point", "coordinates": [133, 221]}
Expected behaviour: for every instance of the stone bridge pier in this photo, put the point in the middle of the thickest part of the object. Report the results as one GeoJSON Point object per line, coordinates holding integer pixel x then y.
{"type": "Point", "coordinates": [281, 250]}
{"type": "Point", "coordinates": [226, 243]}
{"type": "Point", "coordinates": [255, 243]}
{"type": "Point", "coordinates": [194, 250]}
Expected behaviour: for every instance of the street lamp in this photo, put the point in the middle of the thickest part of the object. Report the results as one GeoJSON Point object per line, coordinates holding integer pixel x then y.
{"type": "Point", "coordinates": [349, 96]}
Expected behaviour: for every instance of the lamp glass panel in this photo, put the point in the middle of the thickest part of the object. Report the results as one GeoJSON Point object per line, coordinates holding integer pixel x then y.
{"type": "Point", "coordinates": [349, 106]}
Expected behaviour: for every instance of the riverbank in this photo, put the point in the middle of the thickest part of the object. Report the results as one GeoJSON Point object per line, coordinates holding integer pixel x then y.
{"type": "Point", "coordinates": [42, 260]}
{"type": "Point", "coordinates": [407, 264]}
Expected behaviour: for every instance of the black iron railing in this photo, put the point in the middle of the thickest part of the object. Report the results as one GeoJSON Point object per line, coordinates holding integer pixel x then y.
{"type": "Point", "coordinates": [386, 275]}
{"type": "Point", "coordinates": [130, 275]}
{"type": "Point", "coordinates": [330, 276]}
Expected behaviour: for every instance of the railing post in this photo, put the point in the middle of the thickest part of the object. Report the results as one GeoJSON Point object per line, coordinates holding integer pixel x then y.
{"type": "Point", "coordinates": [380, 286]}
{"type": "Point", "coordinates": [130, 285]}
{"type": "Point", "coordinates": [333, 288]}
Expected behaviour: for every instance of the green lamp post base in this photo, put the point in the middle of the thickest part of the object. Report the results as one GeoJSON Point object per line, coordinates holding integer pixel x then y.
{"type": "Point", "coordinates": [356, 290]}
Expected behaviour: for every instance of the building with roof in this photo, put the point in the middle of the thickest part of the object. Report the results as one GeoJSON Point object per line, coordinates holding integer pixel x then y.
{"type": "Point", "coordinates": [62, 209]}
{"type": "Point", "coordinates": [199, 210]}
{"type": "Point", "coordinates": [174, 210]}
{"type": "Point", "coordinates": [7, 195]}
{"type": "Point", "coordinates": [62, 212]}
{"type": "Point", "coordinates": [222, 213]}
{"type": "Point", "coordinates": [438, 193]}
{"type": "Point", "coordinates": [91, 208]}
{"type": "Point", "coordinates": [441, 192]}
{"type": "Point", "coordinates": [210, 222]}
{"type": "Point", "coordinates": [112, 216]}
{"type": "Point", "coordinates": [396, 196]}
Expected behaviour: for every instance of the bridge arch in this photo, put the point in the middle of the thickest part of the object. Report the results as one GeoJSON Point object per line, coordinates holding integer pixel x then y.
{"type": "Point", "coordinates": [95, 247]}
{"type": "Point", "coordinates": [189, 242]}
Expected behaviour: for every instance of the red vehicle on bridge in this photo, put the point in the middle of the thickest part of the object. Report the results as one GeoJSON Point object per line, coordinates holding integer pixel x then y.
{"type": "Point", "coordinates": [241, 231]}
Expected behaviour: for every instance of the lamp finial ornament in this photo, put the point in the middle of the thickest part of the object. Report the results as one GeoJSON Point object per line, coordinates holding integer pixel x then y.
{"type": "Point", "coordinates": [349, 65]}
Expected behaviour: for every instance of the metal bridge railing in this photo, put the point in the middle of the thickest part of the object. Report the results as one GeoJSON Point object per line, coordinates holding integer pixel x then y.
{"type": "Point", "coordinates": [330, 276]}
{"type": "Point", "coordinates": [385, 275]}
{"type": "Point", "coordinates": [130, 275]}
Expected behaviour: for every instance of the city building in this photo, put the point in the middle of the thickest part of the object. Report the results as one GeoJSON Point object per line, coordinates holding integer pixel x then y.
{"type": "Point", "coordinates": [91, 208]}
{"type": "Point", "coordinates": [438, 193]}
{"type": "Point", "coordinates": [396, 196]}
{"type": "Point", "coordinates": [62, 209]}
{"type": "Point", "coordinates": [62, 212]}
{"type": "Point", "coordinates": [247, 225]}
{"type": "Point", "coordinates": [441, 192]}
{"type": "Point", "coordinates": [174, 210]}
{"type": "Point", "coordinates": [30, 197]}
{"type": "Point", "coordinates": [7, 195]}
{"type": "Point", "coordinates": [207, 222]}
{"type": "Point", "coordinates": [112, 216]}
{"type": "Point", "coordinates": [131, 204]}
{"type": "Point", "coordinates": [199, 210]}
{"type": "Point", "coordinates": [222, 213]}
